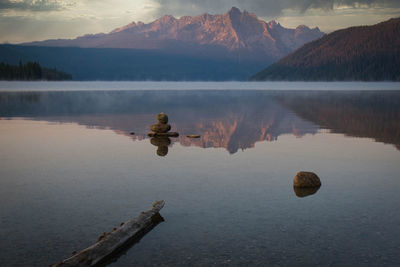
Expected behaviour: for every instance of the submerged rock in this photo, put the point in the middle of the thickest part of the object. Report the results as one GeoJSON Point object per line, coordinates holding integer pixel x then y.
{"type": "Point", "coordinates": [160, 128]}
{"type": "Point", "coordinates": [306, 179]}
{"type": "Point", "coordinates": [305, 191]}
{"type": "Point", "coordinates": [162, 118]}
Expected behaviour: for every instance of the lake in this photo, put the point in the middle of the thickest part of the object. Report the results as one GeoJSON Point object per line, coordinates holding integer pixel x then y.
{"type": "Point", "coordinates": [70, 169]}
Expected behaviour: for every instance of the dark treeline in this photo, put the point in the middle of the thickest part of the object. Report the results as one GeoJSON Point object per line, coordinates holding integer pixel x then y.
{"type": "Point", "coordinates": [116, 64]}
{"type": "Point", "coordinates": [31, 71]}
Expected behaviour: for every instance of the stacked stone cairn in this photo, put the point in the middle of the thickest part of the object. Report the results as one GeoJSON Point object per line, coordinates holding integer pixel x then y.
{"type": "Point", "coordinates": [160, 134]}
{"type": "Point", "coordinates": [162, 128]}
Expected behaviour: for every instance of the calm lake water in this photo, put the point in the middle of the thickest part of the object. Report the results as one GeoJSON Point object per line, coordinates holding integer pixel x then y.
{"type": "Point", "coordinates": [70, 170]}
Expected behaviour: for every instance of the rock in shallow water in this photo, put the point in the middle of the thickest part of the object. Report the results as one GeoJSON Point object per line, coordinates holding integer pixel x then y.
{"type": "Point", "coordinates": [306, 179]}
{"type": "Point", "coordinates": [193, 136]}
{"type": "Point", "coordinates": [160, 128]}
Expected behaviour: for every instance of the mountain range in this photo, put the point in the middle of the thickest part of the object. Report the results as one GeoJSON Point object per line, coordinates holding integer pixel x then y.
{"type": "Point", "coordinates": [366, 53]}
{"type": "Point", "coordinates": [236, 35]}
{"type": "Point", "coordinates": [231, 46]}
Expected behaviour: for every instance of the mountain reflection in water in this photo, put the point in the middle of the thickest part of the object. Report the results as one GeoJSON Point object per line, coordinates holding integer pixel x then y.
{"type": "Point", "coordinates": [225, 119]}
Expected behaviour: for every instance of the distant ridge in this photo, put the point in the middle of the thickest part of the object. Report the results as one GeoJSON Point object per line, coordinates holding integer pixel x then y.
{"type": "Point", "coordinates": [365, 53]}
{"type": "Point", "coordinates": [235, 35]}
{"type": "Point", "coordinates": [117, 64]}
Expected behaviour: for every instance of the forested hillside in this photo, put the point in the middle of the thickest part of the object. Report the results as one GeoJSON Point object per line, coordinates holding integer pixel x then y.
{"type": "Point", "coordinates": [366, 53]}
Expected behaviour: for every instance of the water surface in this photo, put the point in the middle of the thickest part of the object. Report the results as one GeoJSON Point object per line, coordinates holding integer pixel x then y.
{"type": "Point", "coordinates": [70, 170]}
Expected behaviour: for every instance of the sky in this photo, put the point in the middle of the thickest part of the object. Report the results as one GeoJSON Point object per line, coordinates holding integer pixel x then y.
{"type": "Point", "coordinates": [34, 20]}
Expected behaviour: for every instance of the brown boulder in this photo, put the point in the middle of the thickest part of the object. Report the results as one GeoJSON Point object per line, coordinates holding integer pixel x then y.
{"type": "Point", "coordinates": [162, 118]}
{"type": "Point", "coordinates": [160, 128]}
{"type": "Point", "coordinates": [306, 179]}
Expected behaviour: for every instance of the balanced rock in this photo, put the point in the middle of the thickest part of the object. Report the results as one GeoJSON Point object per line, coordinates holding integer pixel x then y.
{"type": "Point", "coordinates": [162, 118]}
{"type": "Point", "coordinates": [306, 179]}
{"type": "Point", "coordinates": [160, 128]}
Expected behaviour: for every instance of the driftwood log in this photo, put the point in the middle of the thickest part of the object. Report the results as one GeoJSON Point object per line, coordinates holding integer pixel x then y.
{"type": "Point", "coordinates": [170, 134]}
{"type": "Point", "coordinates": [111, 243]}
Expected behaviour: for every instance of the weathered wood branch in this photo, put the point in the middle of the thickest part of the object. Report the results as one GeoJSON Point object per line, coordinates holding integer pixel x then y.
{"type": "Point", "coordinates": [110, 243]}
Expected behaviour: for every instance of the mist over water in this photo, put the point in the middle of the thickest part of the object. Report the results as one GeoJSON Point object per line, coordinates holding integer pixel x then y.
{"type": "Point", "coordinates": [163, 85]}
{"type": "Point", "coordinates": [229, 119]}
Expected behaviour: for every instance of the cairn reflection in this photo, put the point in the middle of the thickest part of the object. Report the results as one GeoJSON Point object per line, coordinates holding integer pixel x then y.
{"type": "Point", "coordinates": [162, 144]}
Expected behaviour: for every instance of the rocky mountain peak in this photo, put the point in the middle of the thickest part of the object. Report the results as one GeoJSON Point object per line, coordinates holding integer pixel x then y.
{"type": "Point", "coordinates": [236, 15]}
{"type": "Point", "coordinates": [239, 34]}
{"type": "Point", "coordinates": [302, 26]}
{"type": "Point", "coordinates": [167, 19]}
{"type": "Point", "coordinates": [273, 24]}
{"type": "Point", "coordinates": [234, 11]}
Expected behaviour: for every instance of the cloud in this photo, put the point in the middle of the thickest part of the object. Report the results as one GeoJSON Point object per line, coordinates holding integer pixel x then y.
{"type": "Point", "coordinates": [68, 18]}
{"type": "Point", "coordinates": [263, 8]}
{"type": "Point", "coordinates": [31, 5]}
{"type": "Point", "coordinates": [32, 20]}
